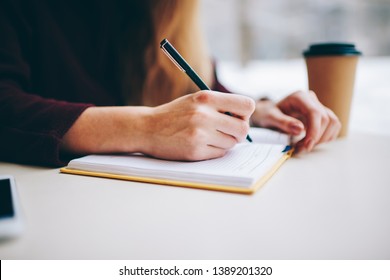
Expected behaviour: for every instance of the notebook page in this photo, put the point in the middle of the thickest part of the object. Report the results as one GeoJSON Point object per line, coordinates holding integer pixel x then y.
{"type": "Point", "coordinates": [263, 135]}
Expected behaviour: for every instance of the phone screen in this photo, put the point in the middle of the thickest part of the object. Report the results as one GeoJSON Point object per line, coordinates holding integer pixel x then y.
{"type": "Point", "coordinates": [6, 207]}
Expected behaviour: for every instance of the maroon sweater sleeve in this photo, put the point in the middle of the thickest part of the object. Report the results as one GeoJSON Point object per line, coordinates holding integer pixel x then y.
{"type": "Point", "coordinates": [31, 126]}
{"type": "Point", "coordinates": [218, 86]}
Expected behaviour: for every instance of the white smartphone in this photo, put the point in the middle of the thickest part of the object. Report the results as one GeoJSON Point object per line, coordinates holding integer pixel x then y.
{"type": "Point", "coordinates": [11, 224]}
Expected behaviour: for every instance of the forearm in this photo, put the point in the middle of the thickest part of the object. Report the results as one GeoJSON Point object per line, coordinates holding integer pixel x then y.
{"type": "Point", "coordinates": [107, 130]}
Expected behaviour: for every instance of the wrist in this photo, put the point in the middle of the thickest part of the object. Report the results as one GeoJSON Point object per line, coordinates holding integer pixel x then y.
{"type": "Point", "coordinates": [262, 108]}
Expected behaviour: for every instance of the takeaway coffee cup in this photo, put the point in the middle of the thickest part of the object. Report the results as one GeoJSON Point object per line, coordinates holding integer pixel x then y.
{"type": "Point", "coordinates": [331, 71]}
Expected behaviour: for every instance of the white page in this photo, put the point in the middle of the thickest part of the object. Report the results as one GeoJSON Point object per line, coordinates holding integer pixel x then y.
{"type": "Point", "coordinates": [268, 136]}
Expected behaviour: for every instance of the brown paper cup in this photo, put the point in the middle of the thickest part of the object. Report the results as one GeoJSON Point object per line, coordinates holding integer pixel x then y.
{"type": "Point", "coordinates": [331, 69]}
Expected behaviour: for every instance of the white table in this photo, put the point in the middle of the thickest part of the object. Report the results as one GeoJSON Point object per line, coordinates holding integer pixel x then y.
{"type": "Point", "coordinates": [333, 203]}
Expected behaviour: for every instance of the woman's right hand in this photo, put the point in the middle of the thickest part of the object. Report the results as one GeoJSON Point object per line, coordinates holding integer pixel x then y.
{"type": "Point", "coordinates": [195, 126]}
{"type": "Point", "coordinates": [192, 127]}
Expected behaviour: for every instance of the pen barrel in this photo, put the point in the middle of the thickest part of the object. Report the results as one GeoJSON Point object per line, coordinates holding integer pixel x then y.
{"type": "Point", "coordinates": [182, 64]}
{"type": "Point", "coordinates": [196, 79]}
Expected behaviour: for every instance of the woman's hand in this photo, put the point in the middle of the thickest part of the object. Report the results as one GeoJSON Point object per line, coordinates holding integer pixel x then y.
{"type": "Point", "coordinates": [192, 127]}
{"type": "Point", "coordinates": [195, 126]}
{"type": "Point", "coordinates": [296, 113]}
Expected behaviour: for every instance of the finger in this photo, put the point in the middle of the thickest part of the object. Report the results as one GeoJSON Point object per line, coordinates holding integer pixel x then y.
{"type": "Point", "coordinates": [238, 105]}
{"type": "Point", "coordinates": [215, 152]}
{"type": "Point", "coordinates": [333, 128]}
{"type": "Point", "coordinates": [233, 127]}
{"type": "Point", "coordinates": [305, 107]}
{"type": "Point", "coordinates": [299, 146]}
{"type": "Point", "coordinates": [335, 123]}
{"type": "Point", "coordinates": [207, 144]}
{"type": "Point", "coordinates": [314, 129]}
{"type": "Point", "coordinates": [204, 153]}
{"type": "Point", "coordinates": [277, 119]}
{"type": "Point", "coordinates": [222, 141]}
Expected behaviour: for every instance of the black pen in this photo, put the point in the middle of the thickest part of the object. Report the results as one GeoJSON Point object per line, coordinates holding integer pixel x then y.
{"type": "Point", "coordinates": [180, 62]}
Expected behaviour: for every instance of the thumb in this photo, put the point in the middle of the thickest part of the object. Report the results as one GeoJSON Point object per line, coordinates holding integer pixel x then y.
{"type": "Point", "coordinates": [285, 123]}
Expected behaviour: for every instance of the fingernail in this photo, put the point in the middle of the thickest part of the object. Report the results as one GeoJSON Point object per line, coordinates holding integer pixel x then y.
{"type": "Point", "coordinates": [295, 128]}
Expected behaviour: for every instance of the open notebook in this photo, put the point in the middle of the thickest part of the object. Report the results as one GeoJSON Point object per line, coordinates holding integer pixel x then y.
{"type": "Point", "coordinates": [244, 169]}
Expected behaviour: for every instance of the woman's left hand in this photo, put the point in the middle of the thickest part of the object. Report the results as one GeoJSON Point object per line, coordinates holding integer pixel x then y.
{"type": "Point", "coordinates": [296, 113]}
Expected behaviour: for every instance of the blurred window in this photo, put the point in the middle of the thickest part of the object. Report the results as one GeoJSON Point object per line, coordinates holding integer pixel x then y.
{"type": "Point", "coordinates": [244, 30]}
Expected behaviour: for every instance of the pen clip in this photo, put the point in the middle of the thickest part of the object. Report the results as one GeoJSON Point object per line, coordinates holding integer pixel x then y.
{"type": "Point", "coordinates": [171, 58]}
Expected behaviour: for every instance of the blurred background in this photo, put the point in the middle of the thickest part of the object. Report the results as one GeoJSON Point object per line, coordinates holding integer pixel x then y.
{"type": "Point", "coordinates": [258, 45]}
{"type": "Point", "coordinates": [243, 30]}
